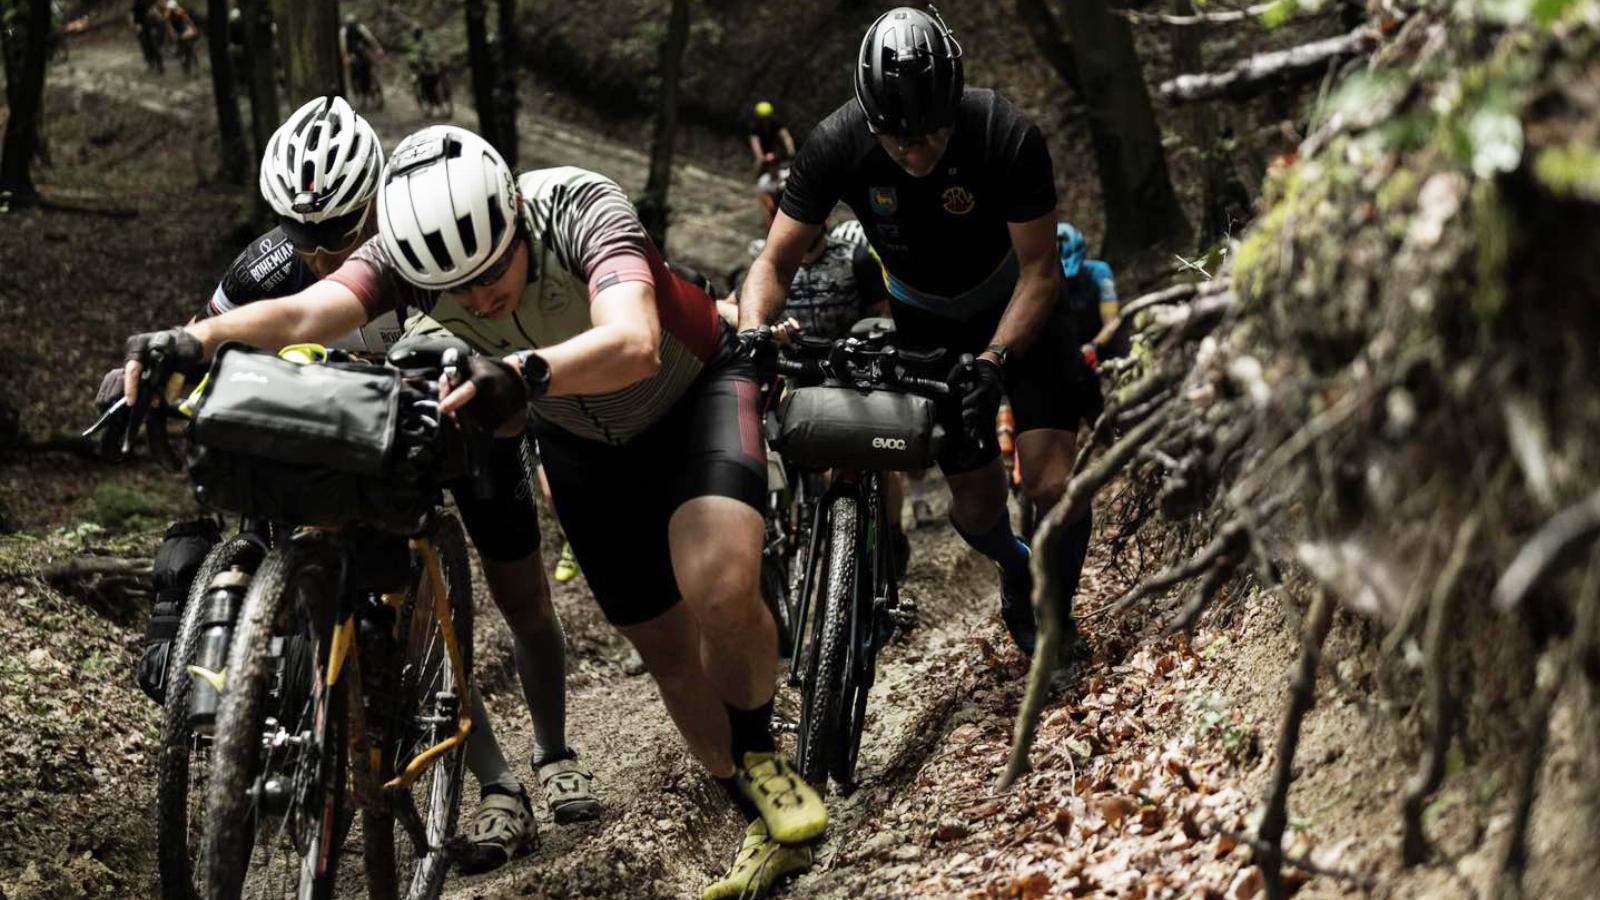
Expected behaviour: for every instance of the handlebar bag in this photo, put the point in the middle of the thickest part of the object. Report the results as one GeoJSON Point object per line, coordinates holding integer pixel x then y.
{"type": "Point", "coordinates": [834, 426]}
{"type": "Point", "coordinates": [338, 444]}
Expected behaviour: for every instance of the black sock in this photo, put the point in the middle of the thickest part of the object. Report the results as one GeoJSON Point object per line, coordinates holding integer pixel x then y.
{"type": "Point", "coordinates": [740, 801]}
{"type": "Point", "coordinates": [751, 731]}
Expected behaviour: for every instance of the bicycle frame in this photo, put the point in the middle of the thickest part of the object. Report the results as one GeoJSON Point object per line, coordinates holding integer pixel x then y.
{"type": "Point", "coordinates": [344, 656]}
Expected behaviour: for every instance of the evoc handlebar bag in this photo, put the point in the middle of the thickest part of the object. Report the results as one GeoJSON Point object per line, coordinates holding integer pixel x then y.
{"type": "Point", "coordinates": [337, 444]}
{"type": "Point", "coordinates": [833, 426]}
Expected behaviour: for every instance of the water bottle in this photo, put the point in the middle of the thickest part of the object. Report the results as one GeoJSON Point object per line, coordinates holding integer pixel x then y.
{"type": "Point", "coordinates": [209, 667]}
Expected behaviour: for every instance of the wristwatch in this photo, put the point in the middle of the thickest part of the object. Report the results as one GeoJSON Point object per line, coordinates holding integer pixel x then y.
{"type": "Point", "coordinates": [1002, 353]}
{"type": "Point", "coordinates": [535, 373]}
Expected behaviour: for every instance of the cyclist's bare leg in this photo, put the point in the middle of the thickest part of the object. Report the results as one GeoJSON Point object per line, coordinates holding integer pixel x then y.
{"type": "Point", "coordinates": [1047, 455]}
{"type": "Point", "coordinates": [521, 592]}
{"type": "Point", "coordinates": [716, 556]}
{"type": "Point", "coordinates": [669, 645]}
{"type": "Point", "coordinates": [978, 498]}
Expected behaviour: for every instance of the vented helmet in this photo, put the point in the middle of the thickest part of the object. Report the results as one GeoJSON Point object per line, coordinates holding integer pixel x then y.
{"type": "Point", "coordinates": [1072, 247]}
{"type": "Point", "coordinates": [447, 209]}
{"type": "Point", "coordinates": [321, 169]}
{"type": "Point", "coordinates": [849, 232]}
{"type": "Point", "coordinates": [908, 74]}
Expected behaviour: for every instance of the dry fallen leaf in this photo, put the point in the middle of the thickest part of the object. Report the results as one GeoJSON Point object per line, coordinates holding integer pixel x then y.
{"type": "Point", "coordinates": [1116, 808]}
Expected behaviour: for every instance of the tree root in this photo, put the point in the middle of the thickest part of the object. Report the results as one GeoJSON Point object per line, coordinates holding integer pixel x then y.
{"type": "Point", "coordinates": [1298, 862]}
{"type": "Point", "coordinates": [1301, 698]}
{"type": "Point", "coordinates": [1515, 860]}
{"type": "Point", "coordinates": [1257, 74]}
{"type": "Point", "coordinates": [1047, 601]}
{"type": "Point", "coordinates": [1442, 622]}
{"type": "Point", "coordinates": [1567, 532]}
{"type": "Point", "coordinates": [1230, 545]}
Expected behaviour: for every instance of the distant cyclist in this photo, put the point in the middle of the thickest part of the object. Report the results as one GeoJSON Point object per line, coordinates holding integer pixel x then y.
{"type": "Point", "coordinates": [770, 140]}
{"type": "Point", "coordinates": [955, 190]}
{"type": "Point", "coordinates": [645, 419]}
{"type": "Point", "coordinates": [320, 174]}
{"type": "Point", "coordinates": [184, 33]}
{"type": "Point", "coordinates": [1089, 293]}
{"type": "Point", "coordinates": [360, 51]}
{"type": "Point", "coordinates": [150, 26]}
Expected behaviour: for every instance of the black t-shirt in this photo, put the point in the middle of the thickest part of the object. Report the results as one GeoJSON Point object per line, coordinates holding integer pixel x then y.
{"type": "Point", "coordinates": [942, 238]}
{"type": "Point", "coordinates": [766, 130]}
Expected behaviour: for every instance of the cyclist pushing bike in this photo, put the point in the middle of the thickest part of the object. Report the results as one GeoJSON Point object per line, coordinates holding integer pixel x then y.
{"type": "Point", "coordinates": [321, 175]}
{"type": "Point", "coordinates": [638, 403]}
{"type": "Point", "coordinates": [954, 189]}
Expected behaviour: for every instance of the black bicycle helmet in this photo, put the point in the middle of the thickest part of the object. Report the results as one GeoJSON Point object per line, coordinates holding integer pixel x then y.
{"type": "Point", "coordinates": [908, 75]}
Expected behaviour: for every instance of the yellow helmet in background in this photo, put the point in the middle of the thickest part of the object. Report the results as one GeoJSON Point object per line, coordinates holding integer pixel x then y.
{"type": "Point", "coordinates": [763, 110]}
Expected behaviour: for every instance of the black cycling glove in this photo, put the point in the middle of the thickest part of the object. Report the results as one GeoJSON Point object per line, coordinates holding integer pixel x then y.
{"type": "Point", "coordinates": [110, 390]}
{"type": "Point", "coordinates": [501, 395]}
{"type": "Point", "coordinates": [981, 386]}
{"type": "Point", "coordinates": [759, 345]}
{"type": "Point", "coordinates": [165, 354]}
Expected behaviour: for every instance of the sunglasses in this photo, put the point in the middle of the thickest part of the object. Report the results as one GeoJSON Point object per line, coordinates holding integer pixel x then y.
{"type": "Point", "coordinates": [492, 274]}
{"type": "Point", "coordinates": [332, 236]}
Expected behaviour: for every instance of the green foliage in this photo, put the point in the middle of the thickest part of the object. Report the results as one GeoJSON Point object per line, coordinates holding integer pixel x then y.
{"type": "Point", "coordinates": [1571, 170]}
{"type": "Point", "coordinates": [1281, 12]}
{"type": "Point", "coordinates": [115, 505]}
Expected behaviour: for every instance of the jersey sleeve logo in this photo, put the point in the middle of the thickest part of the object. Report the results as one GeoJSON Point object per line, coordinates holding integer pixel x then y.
{"type": "Point", "coordinates": [884, 200]}
{"type": "Point", "coordinates": [958, 201]}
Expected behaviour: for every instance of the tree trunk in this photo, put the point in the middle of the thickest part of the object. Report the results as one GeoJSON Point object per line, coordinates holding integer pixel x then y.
{"type": "Point", "coordinates": [653, 206]}
{"type": "Point", "coordinates": [482, 67]}
{"type": "Point", "coordinates": [506, 84]}
{"type": "Point", "coordinates": [1223, 197]}
{"type": "Point", "coordinates": [26, 48]}
{"type": "Point", "coordinates": [261, 66]}
{"type": "Point", "coordinates": [230, 130]}
{"type": "Point", "coordinates": [1042, 27]}
{"type": "Point", "coordinates": [311, 48]}
{"type": "Point", "coordinates": [1141, 208]}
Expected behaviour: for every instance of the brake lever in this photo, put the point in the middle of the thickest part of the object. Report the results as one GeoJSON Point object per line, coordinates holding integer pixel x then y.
{"type": "Point", "coordinates": [139, 410]}
{"type": "Point", "coordinates": [114, 411]}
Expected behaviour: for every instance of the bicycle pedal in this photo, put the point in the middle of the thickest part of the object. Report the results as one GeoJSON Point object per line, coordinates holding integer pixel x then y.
{"type": "Point", "coordinates": [905, 614]}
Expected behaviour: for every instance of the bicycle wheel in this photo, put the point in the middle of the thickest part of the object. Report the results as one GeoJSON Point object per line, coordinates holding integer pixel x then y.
{"type": "Point", "coordinates": [775, 594]}
{"type": "Point", "coordinates": [821, 710]}
{"type": "Point", "coordinates": [426, 711]}
{"type": "Point", "coordinates": [274, 816]}
{"type": "Point", "coordinates": [860, 667]}
{"type": "Point", "coordinates": [185, 764]}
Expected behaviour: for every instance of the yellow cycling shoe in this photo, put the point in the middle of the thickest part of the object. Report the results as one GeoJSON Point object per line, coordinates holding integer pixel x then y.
{"type": "Point", "coordinates": [761, 863]}
{"type": "Point", "coordinates": [566, 566]}
{"type": "Point", "coordinates": [792, 810]}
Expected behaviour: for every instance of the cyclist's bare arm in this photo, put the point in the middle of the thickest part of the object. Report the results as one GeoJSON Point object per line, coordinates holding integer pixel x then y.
{"type": "Point", "coordinates": [1035, 293]}
{"type": "Point", "coordinates": [623, 347]}
{"type": "Point", "coordinates": [766, 285]}
{"type": "Point", "coordinates": [788, 142]}
{"type": "Point", "coordinates": [755, 150]}
{"type": "Point", "coordinates": [321, 313]}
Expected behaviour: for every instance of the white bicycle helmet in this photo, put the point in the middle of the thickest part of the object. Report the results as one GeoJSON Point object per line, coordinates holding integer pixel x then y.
{"type": "Point", "coordinates": [447, 209]}
{"type": "Point", "coordinates": [849, 232]}
{"type": "Point", "coordinates": [322, 164]}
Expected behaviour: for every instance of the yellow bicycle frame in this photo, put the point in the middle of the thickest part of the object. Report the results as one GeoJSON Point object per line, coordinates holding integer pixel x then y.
{"type": "Point", "coordinates": [344, 642]}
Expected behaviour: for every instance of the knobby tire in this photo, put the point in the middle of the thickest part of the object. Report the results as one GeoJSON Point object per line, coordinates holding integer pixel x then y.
{"type": "Point", "coordinates": [821, 710]}
{"type": "Point", "coordinates": [232, 816]}
{"type": "Point", "coordinates": [178, 839]}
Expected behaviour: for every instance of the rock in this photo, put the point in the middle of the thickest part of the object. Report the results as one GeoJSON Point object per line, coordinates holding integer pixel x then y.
{"type": "Point", "coordinates": [1248, 883]}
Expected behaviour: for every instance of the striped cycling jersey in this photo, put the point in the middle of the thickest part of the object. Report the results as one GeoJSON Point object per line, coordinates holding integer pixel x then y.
{"type": "Point", "coordinates": [585, 236]}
